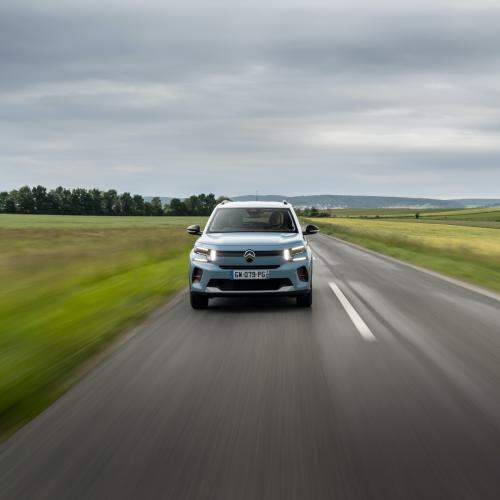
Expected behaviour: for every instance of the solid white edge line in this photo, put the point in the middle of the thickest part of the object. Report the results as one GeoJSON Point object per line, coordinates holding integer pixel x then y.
{"type": "Point", "coordinates": [360, 325]}
{"type": "Point", "coordinates": [454, 281]}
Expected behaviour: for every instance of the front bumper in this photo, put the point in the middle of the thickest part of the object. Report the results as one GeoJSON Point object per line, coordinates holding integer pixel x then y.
{"type": "Point", "coordinates": [283, 280]}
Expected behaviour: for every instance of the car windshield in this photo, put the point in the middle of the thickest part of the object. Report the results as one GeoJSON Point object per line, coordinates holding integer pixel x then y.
{"type": "Point", "coordinates": [252, 219]}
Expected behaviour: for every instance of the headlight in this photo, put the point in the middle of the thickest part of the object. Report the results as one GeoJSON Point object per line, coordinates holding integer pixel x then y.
{"type": "Point", "coordinates": [203, 254]}
{"type": "Point", "coordinates": [294, 253]}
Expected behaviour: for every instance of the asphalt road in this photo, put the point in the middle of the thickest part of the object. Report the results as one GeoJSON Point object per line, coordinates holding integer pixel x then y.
{"type": "Point", "coordinates": [390, 389]}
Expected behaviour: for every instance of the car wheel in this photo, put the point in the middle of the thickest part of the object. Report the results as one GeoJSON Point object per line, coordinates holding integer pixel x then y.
{"type": "Point", "coordinates": [305, 300]}
{"type": "Point", "coordinates": [198, 301]}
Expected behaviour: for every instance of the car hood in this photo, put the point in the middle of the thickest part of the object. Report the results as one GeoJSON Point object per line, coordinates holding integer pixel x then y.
{"type": "Point", "coordinates": [247, 240]}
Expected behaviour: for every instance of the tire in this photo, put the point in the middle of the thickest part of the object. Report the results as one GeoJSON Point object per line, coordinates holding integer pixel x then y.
{"type": "Point", "coordinates": [305, 300]}
{"type": "Point", "coordinates": [198, 301]}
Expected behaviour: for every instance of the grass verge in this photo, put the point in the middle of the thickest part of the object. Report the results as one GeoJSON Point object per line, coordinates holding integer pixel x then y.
{"type": "Point", "coordinates": [468, 253]}
{"type": "Point", "coordinates": [67, 290]}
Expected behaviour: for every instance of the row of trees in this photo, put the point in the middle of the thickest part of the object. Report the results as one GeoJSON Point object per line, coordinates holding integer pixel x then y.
{"type": "Point", "coordinates": [39, 200]}
{"type": "Point", "coordinates": [203, 204]}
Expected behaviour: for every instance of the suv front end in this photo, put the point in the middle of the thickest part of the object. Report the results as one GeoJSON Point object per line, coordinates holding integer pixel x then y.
{"type": "Point", "coordinates": [257, 249]}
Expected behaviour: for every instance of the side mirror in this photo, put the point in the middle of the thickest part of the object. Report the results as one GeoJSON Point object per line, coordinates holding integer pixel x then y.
{"type": "Point", "coordinates": [311, 229]}
{"type": "Point", "coordinates": [194, 230]}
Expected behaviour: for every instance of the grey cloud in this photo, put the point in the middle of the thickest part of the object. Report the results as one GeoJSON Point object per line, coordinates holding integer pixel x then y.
{"type": "Point", "coordinates": [166, 98]}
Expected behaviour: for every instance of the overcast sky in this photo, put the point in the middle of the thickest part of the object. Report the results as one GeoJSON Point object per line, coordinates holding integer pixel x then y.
{"type": "Point", "coordinates": [283, 97]}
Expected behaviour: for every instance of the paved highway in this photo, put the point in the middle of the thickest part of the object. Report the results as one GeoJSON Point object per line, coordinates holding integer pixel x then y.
{"type": "Point", "coordinates": [389, 387]}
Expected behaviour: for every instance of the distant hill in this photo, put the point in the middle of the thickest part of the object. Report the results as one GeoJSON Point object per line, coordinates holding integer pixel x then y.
{"type": "Point", "coordinates": [346, 201]}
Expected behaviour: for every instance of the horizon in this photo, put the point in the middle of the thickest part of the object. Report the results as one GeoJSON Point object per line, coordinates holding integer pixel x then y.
{"type": "Point", "coordinates": [284, 196]}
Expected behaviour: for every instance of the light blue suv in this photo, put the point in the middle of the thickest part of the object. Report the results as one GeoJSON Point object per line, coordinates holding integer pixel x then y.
{"type": "Point", "coordinates": [251, 249]}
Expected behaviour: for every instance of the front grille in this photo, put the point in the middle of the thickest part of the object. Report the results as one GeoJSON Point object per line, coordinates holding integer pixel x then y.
{"type": "Point", "coordinates": [249, 285]}
{"type": "Point", "coordinates": [268, 266]}
{"type": "Point", "coordinates": [258, 253]}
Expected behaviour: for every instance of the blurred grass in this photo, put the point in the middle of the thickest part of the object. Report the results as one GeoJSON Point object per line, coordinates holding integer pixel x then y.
{"type": "Point", "coordinates": [20, 221]}
{"type": "Point", "coordinates": [468, 253]}
{"type": "Point", "coordinates": [69, 285]}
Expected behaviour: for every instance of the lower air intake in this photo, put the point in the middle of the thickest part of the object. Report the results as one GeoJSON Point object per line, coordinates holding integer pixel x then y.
{"type": "Point", "coordinates": [249, 285]}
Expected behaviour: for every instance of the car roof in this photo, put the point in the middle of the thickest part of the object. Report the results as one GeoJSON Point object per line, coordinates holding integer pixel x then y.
{"type": "Point", "coordinates": [256, 204]}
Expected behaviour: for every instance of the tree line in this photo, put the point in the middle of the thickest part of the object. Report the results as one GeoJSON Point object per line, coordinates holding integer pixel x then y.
{"type": "Point", "coordinates": [80, 201]}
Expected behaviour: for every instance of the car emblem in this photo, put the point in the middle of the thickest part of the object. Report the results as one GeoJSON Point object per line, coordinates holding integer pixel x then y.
{"type": "Point", "coordinates": [249, 255]}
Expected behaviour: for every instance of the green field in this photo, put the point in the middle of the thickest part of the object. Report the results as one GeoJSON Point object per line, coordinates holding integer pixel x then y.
{"type": "Point", "coordinates": [473, 217]}
{"type": "Point", "coordinates": [373, 212]}
{"type": "Point", "coordinates": [468, 214]}
{"type": "Point", "coordinates": [69, 284]}
{"type": "Point", "coordinates": [465, 252]}
{"type": "Point", "coordinates": [457, 213]}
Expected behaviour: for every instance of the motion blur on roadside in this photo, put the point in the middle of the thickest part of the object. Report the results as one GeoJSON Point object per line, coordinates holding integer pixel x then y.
{"type": "Point", "coordinates": [68, 285]}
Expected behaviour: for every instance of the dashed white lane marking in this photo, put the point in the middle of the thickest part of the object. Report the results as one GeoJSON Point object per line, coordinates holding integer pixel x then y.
{"type": "Point", "coordinates": [360, 325]}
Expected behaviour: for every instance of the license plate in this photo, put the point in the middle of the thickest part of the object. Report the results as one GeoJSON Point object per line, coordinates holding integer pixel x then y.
{"type": "Point", "coordinates": [254, 274]}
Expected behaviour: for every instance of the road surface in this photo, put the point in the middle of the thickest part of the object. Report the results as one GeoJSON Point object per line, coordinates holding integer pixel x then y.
{"type": "Point", "coordinates": [389, 387]}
